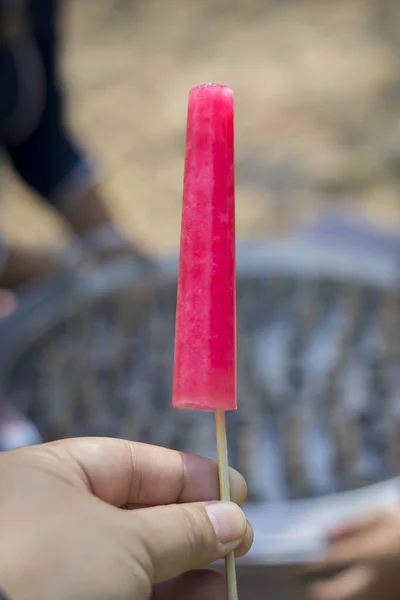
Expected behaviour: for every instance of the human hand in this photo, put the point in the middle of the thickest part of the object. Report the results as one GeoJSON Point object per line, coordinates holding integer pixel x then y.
{"type": "Point", "coordinates": [101, 518]}
{"type": "Point", "coordinates": [365, 556]}
{"type": "Point", "coordinates": [99, 235]}
{"type": "Point", "coordinates": [26, 265]}
{"type": "Point", "coordinates": [108, 242]}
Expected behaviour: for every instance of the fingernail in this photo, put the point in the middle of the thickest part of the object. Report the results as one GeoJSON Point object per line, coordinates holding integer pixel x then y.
{"type": "Point", "coordinates": [229, 523]}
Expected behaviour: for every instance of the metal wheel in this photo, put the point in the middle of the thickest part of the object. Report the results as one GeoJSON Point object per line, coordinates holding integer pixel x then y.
{"type": "Point", "coordinates": [318, 352]}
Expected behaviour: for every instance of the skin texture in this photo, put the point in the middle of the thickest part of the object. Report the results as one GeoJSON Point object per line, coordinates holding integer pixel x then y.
{"type": "Point", "coordinates": [100, 518]}
{"type": "Point", "coordinates": [365, 556]}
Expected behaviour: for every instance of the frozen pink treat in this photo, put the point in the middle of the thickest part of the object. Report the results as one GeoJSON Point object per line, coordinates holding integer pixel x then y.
{"type": "Point", "coordinates": [205, 341]}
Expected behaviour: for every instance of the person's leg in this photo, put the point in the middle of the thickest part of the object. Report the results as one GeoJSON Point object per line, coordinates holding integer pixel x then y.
{"type": "Point", "coordinates": [51, 160]}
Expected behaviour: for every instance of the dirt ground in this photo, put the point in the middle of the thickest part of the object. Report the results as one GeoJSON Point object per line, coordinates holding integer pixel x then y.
{"type": "Point", "coordinates": [317, 87]}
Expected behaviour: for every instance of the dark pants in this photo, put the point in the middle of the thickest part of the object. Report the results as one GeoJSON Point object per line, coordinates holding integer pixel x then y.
{"type": "Point", "coordinates": [46, 157]}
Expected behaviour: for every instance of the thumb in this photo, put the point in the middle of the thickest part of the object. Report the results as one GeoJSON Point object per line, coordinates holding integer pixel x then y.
{"type": "Point", "coordinates": [180, 537]}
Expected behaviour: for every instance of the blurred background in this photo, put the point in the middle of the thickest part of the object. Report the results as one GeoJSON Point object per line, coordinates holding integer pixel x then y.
{"type": "Point", "coordinates": [317, 88]}
{"type": "Point", "coordinates": [89, 350]}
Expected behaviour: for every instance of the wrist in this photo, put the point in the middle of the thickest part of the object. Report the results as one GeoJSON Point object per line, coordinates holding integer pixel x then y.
{"type": "Point", "coordinates": [87, 213]}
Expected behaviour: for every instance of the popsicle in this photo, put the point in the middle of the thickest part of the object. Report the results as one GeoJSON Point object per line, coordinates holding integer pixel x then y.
{"type": "Point", "coordinates": [205, 336]}
{"type": "Point", "coordinates": [205, 339]}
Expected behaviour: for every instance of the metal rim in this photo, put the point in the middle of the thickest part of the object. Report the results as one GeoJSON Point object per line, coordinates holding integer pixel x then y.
{"type": "Point", "coordinates": [43, 306]}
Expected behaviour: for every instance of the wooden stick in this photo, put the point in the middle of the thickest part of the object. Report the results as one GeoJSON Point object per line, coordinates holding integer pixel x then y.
{"type": "Point", "coordinates": [225, 494]}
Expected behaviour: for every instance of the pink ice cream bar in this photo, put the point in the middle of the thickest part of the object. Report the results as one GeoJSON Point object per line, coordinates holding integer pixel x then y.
{"type": "Point", "coordinates": [205, 342]}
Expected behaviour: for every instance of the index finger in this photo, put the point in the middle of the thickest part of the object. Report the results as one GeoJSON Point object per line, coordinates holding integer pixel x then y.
{"type": "Point", "coordinates": [345, 553]}
{"type": "Point", "coordinates": [349, 585]}
{"type": "Point", "coordinates": [355, 527]}
{"type": "Point", "coordinates": [349, 543]}
{"type": "Point", "coordinates": [122, 473]}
